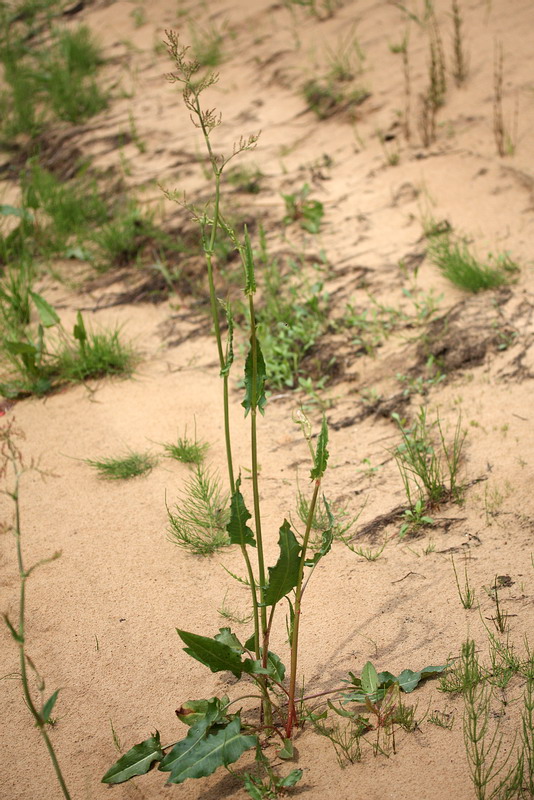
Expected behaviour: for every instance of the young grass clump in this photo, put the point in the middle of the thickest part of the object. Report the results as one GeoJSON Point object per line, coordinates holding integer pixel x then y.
{"type": "Point", "coordinates": [187, 450]}
{"type": "Point", "coordinates": [460, 266]}
{"type": "Point", "coordinates": [48, 77]}
{"type": "Point", "coordinates": [34, 364]}
{"type": "Point", "coordinates": [427, 463]}
{"type": "Point", "coordinates": [198, 522]}
{"type": "Point", "coordinates": [123, 468]}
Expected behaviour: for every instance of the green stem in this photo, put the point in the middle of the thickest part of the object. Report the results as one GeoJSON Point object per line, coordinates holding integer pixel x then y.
{"type": "Point", "coordinates": [254, 456]}
{"type": "Point", "coordinates": [291, 713]}
{"type": "Point", "coordinates": [39, 721]}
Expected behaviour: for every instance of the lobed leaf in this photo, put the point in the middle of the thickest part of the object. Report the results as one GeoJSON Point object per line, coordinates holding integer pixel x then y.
{"type": "Point", "coordinates": [237, 528]}
{"type": "Point", "coordinates": [215, 655]}
{"type": "Point", "coordinates": [136, 761]}
{"type": "Point", "coordinates": [284, 575]}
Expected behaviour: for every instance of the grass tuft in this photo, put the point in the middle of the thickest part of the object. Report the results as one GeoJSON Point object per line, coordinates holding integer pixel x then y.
{"type": "Point", "coordinates": [460, 266]}
{"type": "Point", "coordinates": [186, 450]}
{"type": "Point", "coordinates": [129, 466]}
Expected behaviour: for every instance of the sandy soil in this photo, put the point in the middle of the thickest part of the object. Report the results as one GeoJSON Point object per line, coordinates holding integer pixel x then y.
{"type": "Point", "coordinates": [102, 618]}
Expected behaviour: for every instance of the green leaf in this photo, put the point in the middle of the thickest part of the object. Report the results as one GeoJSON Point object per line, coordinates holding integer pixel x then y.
{"type": "Point", "coordinates": [213, 654]}
{"type": "Point", "coordinates": [229, 358]}
{"type": "Point", "coordinates": [14, 633]}
{"type": "Point", "coordinates": [255, 399]}
{"type": "Point", "coordinates": [21, 348]}
{"type": "Point", "coordinates": [237, 528]}
{"type": "Point", "coordinates": [200, 755]}
{"type": "Point", "coordinates": [48, 706]}
{"type": "Point", "coordinates": [287, 749]}
{"type": "Point", "coordinates": [284, 575]}
{"type": "Point", "coordinates": [326, 545]}
{"type": "Point", "coordinates": [193, 711]}
{"type": "Point", "coordinates": [136, 761]}
{"type": "Point", "coordinates": [321, 453]}
{"type": "Point", "coordinates": [13, 211]}
{"type": "Point", "coordinates": [250, 279]}
{"type": "Point", "coordinates": [290, 780]}
{"type": "Point", "coordinates": [80, 332]}
{"type": "Point", "coordinates": [226, 636]}
{"type": "Point", "coordinates": [409, 680]}
{"type": "Point", "coordinates": [47, 314]}
{"type": "Point", "coordinates": [276, 669]}
{"type": "Point", "coordinates": [369, 679]}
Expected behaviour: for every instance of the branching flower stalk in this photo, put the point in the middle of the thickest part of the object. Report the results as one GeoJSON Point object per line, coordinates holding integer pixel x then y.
{"type": "Point", "coordinates": [207, 121]}
{"type": "Point", "coordinates": [12, 461]}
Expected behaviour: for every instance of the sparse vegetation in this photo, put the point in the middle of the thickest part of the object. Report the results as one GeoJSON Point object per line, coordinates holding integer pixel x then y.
{"type": "Point", "coordinates": [122, 468]}
{"type": "Point", "coordinates": [461, 267]}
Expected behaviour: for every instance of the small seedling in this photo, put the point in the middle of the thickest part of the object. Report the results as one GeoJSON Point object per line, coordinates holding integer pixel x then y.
{"type": "Point", "coordinates": [415, 517]}
{"type": "Point", "coordinates": [442, 719]}
{"type": "Point", "coordinates": [308, 213]}
{"type": "Point", "coordinates": [466, 594]}
{"type": "Point", "coordinates": [460, 69]}
{"type": "Point", "coordinates": [131, 465]}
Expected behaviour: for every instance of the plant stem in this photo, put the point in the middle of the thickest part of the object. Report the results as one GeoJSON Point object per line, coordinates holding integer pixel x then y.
{"type": "Point", "coordinates": [291, 713]}
{"type": "Point", "coordinates": [40, 722]}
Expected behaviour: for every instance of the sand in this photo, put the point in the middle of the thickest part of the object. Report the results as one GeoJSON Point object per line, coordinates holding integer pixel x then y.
{"type": "Point", "coordinates": [102, 619]}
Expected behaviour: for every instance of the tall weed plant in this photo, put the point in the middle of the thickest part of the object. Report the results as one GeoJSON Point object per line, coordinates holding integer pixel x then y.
{"type": "Point", "coordinates": [217, 734]}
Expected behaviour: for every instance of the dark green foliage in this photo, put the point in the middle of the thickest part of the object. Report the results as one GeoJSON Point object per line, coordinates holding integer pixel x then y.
{"type": "Point", "coordinates": [283, 576]}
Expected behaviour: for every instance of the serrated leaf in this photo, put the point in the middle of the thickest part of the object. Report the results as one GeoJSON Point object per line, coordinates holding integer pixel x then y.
{"type": "Point", "coordinates": [284, 575]}
{"type": "Point", "coordinates": [47, 314]}
{"type": "Point", "coordinates": [136, 761]}
{"type": "Point", "coordinates": [237, 528]}
{"type": "Point", "coordinates": [48, 706]}
{"type": "Point", "coordinates": [369, 679]}
{"type": "Point", "coordinates": [255, 399]}
{"type": "Point", "coordinates": [250, 278]}
{"type": "Point", "coordinates": [218, 657]}
{"type": "Point", "coordinates": [321, 453]}
{"type": "Point", "coordinates": [206, 753]}
{"type": "Point", "coordinates": [79, 331]}
{"type": "Point", "coordinates": [226, 636]}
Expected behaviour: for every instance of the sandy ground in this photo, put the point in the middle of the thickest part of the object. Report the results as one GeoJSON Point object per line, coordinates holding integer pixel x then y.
{"type": "Point", "coordinates": [102, 618]}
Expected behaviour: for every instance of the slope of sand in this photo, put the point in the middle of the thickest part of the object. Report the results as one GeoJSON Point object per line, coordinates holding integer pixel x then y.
{"type": "Point", "coordinates": [102, 618]}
